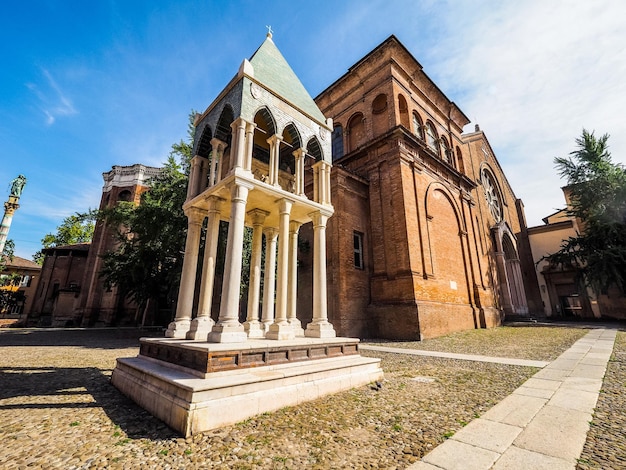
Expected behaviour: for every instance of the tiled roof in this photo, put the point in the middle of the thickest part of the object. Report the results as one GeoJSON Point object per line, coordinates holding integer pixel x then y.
{"type": "Point", "coordinates": [273, 71]}
{"type": "Point", "coordinates": [19, 262]}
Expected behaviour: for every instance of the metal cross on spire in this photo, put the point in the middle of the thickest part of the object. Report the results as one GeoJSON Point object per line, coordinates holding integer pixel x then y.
{"type": "Point", "coordinates": [269, 31]}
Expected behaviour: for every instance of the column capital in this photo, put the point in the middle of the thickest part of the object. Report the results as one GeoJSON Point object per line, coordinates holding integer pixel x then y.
{"type": "Point", "coordinates": [284, 205]}
{"type": "Point", "coordinates": [294, 226]}
{"type": "Point", "coordinates": [257, 216]}
{"type": "Point", "coordinates": [195, 215]}
{"type": "Point", "coordinates": [214, 203]}
{"type": "Point", "coordinates": [239, 190]}
{"type": "Point", "coordinates": [218, 144]}
{"type": "Point", "coordinates": [321, 164]}
{"type": "Point", "coordinates": [299, 152]}
{"type": "Point", "coordinates": [319, 218]}
{"type": "Point", "coordinates": [272, 140]}
{"type": "Point", "coordinates": [270, 232]}
{"type": "Point", "coordinates": [238, 123]}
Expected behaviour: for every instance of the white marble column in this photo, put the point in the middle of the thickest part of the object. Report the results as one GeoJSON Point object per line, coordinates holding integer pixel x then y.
{"type": "Point", "coordinates": [181, 324]}
{"type": "Point", "coordinates": [203, 323]}
{"type": "Point", "coordinates": [239, 140]}
{"type": "Point", "coordinates": [194, 176]}
{"type": "Point", "coordinates": [269, 281]}
{"type": "Point", "coordinates": [281, 329]}
{"type": "Point", "coordinates": [217, 147]}
{"type": "Point", "coordinates": [253, 326]}
{"type": "Point", "coordinates": [202, 182]}
{"type": "Point", "coordinates": [250, 126]}
{"type": "Point", "coordinates": [292, 296]}
{"type": "Point", "coordinates": [321, 181]}
{"type": "Point", "coordinates": [319, 326]}
{"type": "Point", "coordinates": [316, 178]}
{"type": "Point", "coordinates": [299, 155]}
{"type": "Point", "coordinates": [228, 329]}
{"type": "Point", "coordinates": [274, 142]}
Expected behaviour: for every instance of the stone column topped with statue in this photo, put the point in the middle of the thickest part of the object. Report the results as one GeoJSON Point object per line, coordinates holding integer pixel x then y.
{"type": "Point", "coordinates": [10, 206]}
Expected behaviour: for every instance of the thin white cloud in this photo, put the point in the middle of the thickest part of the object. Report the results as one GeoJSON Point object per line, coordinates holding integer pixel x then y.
{"type": "Point", "coordinates": [53, 101]}
{"type": "Point", "coordinates": [533, 74]}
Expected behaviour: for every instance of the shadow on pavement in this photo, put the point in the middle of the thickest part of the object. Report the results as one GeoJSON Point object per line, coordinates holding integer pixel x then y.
{"type": "Point", "coordinates": [73, 388]}
{"type": "Point", "coordinates": [101, 338]}
{"type": "Point", "coordinates": [76, 388]}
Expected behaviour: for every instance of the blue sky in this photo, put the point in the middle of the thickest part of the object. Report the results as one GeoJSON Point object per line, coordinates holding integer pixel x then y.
{"type": "Point", "coordinates": [88, 85]}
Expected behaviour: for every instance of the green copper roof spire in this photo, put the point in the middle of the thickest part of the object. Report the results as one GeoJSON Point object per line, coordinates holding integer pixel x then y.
{"type": "Point", "coordinates": [272, 70]}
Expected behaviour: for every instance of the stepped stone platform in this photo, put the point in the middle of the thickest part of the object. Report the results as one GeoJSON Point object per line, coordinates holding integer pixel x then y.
{"type": "Point", "coordinates": [196, 386]}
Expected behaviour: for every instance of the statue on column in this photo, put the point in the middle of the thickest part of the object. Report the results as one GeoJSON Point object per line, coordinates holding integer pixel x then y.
{"type": "Point", "coordinates": [17, 185]}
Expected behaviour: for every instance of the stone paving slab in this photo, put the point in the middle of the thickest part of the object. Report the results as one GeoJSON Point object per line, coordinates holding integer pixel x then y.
{"type": "Point", "coordinates": [464, 357]}
{"type": "Point", "coordinates": [490, 435]}
{"type": "Point", "coordinates": [518, 410]}
{"type": "Point", "coordinates": [456, 455]}
{"type": "Point", "coordinates": [520, 459]}
{"type": "Point", "coordinates": [541, 425]}
{"type": "Point", "coordinates": [556, 432]}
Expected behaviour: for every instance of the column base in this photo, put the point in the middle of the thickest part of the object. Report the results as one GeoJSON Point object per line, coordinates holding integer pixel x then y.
{"type": "Point", "coordinates": [280, 331]}
{"type": "Point", "coordinates": [320, 330]}
{"type": "Point", "coordinates": [178, 329]}
{"type": "Point", "coordinates": [254, 329]}
{"type": "Point", "coordinates": [296, 326]}
{"type": "Point", "coordinates": [200, 328]}
{"type": "Point", "coordinates": [227, 333]}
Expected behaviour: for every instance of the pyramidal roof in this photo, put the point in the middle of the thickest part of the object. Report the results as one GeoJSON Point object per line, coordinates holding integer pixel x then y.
{"type": "Point", "coordinates": [272, 70]}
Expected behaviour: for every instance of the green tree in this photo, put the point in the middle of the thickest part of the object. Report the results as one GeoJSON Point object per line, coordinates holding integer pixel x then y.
{"type": "Point", "coordinates": [147, 261]}
{"type": "Point", "coordinates": [76, 228]}
{"type": "Point", "coordinates": [7, 254]}
{"type": "Point", "coordinates": [9, 297]}
{"type": "Point", "coordinates": [597, 189]}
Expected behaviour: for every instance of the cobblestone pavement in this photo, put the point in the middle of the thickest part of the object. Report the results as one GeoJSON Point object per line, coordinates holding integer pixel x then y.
{"type": "Point", "coordinates": [59, 410]}
{"type": "Point", "coordinates": [606, 446]}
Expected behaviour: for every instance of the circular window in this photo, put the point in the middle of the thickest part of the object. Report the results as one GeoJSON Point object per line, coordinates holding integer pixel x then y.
{"type": "Point", "coordinates": [491, 194]}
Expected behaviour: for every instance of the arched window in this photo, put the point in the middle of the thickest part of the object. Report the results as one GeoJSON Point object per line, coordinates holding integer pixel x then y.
{"type": "Point", "coordinates": [223, 130]}
{"type": "Point", "coordinates": [418, 128]}
{"type": "Point", "coordinates": [431, 137]}
{"type": "Point", "coordinates": [204, 144]}
{"type": "Point", "coordinates": [379, 105]}
{"type": "Point", "coordinates": [286, 160]}
{"type": "Point", "coordinates": [459, 160]}
{"type": "Point", "coordinates": [337, 142]}
{"type": "Point", "coordinates": [356, 131]}
{"type": "Point", "coordinates": [404, 111]}
{"type": "Point", "coordinates": [125, 196]}
{"type": "Point", "coordinates": [265, 128]}
{"type": "Point", "coordinates": [380, 115]}
{"type": "Point", "coordinates": [445, 150]}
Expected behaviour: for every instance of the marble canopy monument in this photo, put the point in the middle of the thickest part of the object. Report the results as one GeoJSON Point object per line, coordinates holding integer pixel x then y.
{"type": "Point", "coordinates": [262, 160]}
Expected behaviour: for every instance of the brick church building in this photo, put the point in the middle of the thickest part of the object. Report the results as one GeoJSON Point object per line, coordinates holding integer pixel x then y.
{"type": "Point", "coordinates": [428, 236]}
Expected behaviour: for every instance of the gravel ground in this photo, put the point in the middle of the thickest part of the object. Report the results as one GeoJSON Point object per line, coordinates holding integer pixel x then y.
{"type": "Point", "coordinates": [606, 447]}
{"type": "Point", "coordinates": [59, 410]}
{"type": "Point", "coordinates": [521, 342]}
